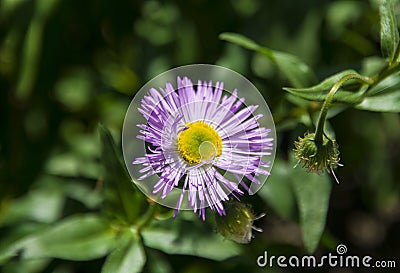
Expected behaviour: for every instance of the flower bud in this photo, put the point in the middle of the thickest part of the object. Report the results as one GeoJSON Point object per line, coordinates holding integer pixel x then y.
{"type": "Point", "coordinates": [237, 224]}
{"type": "Point", "coordinates": [317, 157]}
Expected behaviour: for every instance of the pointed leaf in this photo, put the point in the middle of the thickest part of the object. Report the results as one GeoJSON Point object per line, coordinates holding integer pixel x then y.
{"type": "Point", "coordinates": [383, 97]}
{"type": "Point", "coordinates": [389, 30]}
{"type": "Point", "coordinates": [81, 237]}
{"type": "Point", "coordinates": [123, 199]}
{"type": "Point", "coordinates": [387, 85]}
{"type": "Point", "coordinates": [212, 247]}
{"type": "Point", "coordinates": [296, 71]}
{"type": "Point", "coordinates": [28, 266]}
{"type": "Point", "coordinates": [245, 42]}
{"type": "Point", "coordinates": [386, 102]}
{"type": "Point", "coordinates": [325, 85]}
{"type": "Point", "coordinates": [341, 96]}
{"type": "Point", "coordinates": [173, 237]}
{"type": "Point", "coordinates": [42, 205]}
{"type": "Point", "coordinates": [129, 257]}
{"type": "Point", "coordinates": [318, 92]}
{"type": "Point", "coordinates": [157, 262]}
{"type": "Point", "coordinates": [278, 192]}
{"type": "Point", "coordinates": [312, 192]}
{"type": "Point", "coordinates": [13, 240]}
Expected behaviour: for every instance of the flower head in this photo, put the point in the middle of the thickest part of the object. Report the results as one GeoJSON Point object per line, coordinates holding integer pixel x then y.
{"type": "Point", "coordinates": [317, 157]}
{"type": "Point", "coordinates": [237, 225]}
{"type": "Point", "coordinates": [202, 141]}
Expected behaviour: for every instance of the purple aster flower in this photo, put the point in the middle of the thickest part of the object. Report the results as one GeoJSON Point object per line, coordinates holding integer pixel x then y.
{"type": "Point", "coordinates": [203, 141]}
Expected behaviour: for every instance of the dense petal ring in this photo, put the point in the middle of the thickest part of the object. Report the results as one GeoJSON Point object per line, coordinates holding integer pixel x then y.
{"type": "Point", "coordinates": [196, 135]}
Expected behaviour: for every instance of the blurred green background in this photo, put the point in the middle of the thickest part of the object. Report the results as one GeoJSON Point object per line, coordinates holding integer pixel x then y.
{"type": "Point", "coordinates": [66, 65]}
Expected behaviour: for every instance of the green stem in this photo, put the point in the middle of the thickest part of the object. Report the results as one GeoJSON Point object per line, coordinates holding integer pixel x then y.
{"type": "Point", "coordinates": [147, 217]}
{"type": "Point", "coordinates": [386, 72]}
{"type": "Point", "coordinates": [319, 132]}
{"type": "Point", "coordinates": [391, 68]}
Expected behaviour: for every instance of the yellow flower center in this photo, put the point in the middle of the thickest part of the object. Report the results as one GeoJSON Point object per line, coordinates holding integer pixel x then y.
{"type": "Point", "coordinates": [199, 141]}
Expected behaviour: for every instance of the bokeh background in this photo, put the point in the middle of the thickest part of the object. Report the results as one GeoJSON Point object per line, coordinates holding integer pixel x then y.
{"type": "Point", "coordinates": [68, 65]}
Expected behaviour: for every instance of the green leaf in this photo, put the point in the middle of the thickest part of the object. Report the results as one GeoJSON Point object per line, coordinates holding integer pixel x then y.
{"type": "Point", "coordinates": [13, 240]}
{"type": "Point", "coordinates": [157, 262]}
{"type": "Point", "coordinates": [89, 197]}
{"type": "Point", "coordinates": [32, 49]}
{"type": "Point", "coordinates": [173, 238]}
{"type": "Point", "coordinates": [245, 42]}
{"type": "Point", "coordinates": [389, 31]}
{"type": "Point", "coordinates": [81, 237]}
{"type": "Point", "coordinates": [372, 65]}
{"type": "Point", "coordinates": [296, 71]}
{"type": "Point", "coordinates": [323, 86]}
{"type": "Point", "coordinates": [386, 102]}
{"type": "Point", "coordinates": [387, 85]}
{"type": "Point", "coordinates": [278, 191]}
{"type": "Point", "coordinates": [42, 205]}
{"type": "Point", "coordinates": [70, 164]}
{"type": "Point", "coordinates": [312, 192]}
{"type": "Point", "coordinates": [383, 97]}
{"type": "Point", "coordinates": [123, 200]}
{"type": "Point", "coordinates": [129, 257]}
{"type": "Point", "coordinates": [212, 247]}
{"type": "Point", "coordinates": [27, 266]}
{"type": "Point", "coordinates": [318, 92]}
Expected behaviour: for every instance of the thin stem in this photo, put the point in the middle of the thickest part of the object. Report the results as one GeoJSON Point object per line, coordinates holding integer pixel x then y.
{"type": "Point", "coordinates": [319, 132]}
{"type": "Point", "coordinates": [390, 68]}
{"type": "Point", "coordinates": [386, 72]}
{"type": "Point", "coordinates": [147, 217]}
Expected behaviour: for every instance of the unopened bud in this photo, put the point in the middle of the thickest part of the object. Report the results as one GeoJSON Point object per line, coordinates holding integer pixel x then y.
{"type": "Point", "coordinates": [237, 224]}
{"type": "Point", "coordinates": [317, 157]}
